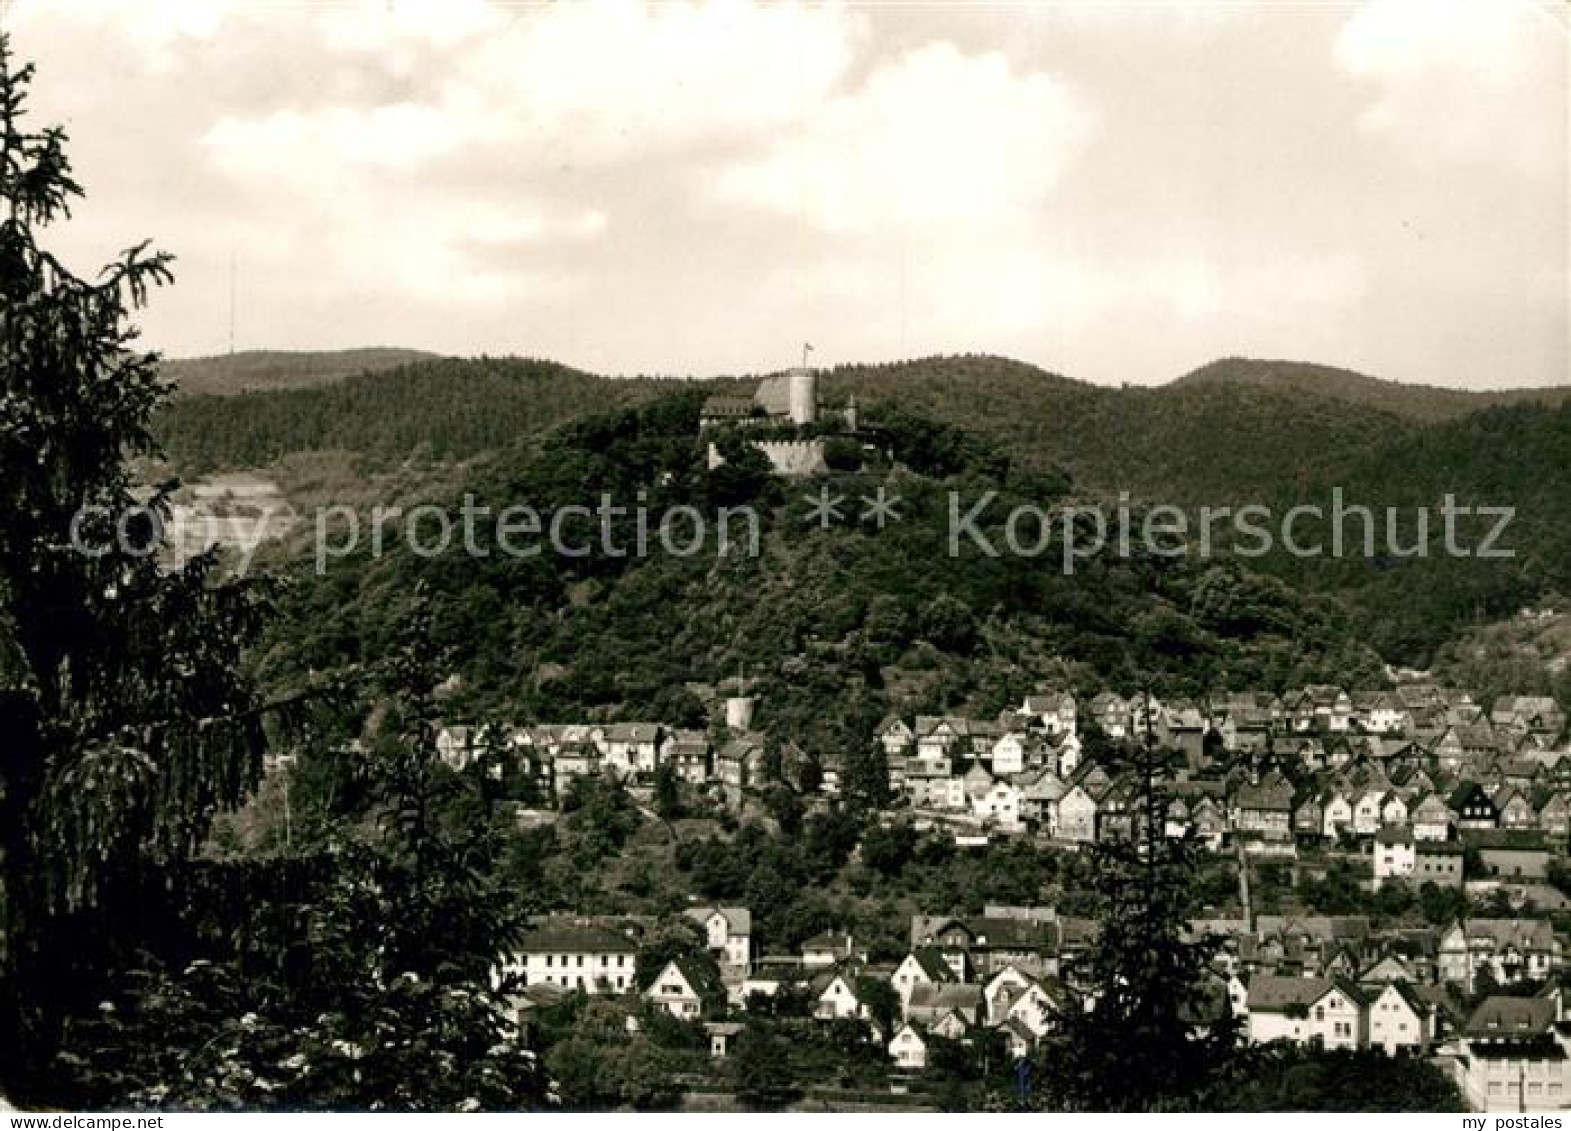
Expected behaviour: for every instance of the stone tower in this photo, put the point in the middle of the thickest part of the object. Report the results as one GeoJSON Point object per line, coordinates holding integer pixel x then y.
{"type": "Point", "coordinates": [739, 713]}
{"type": "Point", "coordinates": [804, 396]}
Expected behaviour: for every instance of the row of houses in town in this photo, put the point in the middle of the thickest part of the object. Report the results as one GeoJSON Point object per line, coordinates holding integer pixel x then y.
{"type": "Point", "coordinates": [1332, 981]}
{"type": "Point", "coordinates": [1015, 770]}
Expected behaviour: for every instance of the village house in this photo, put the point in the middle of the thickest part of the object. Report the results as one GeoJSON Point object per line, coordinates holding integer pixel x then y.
{"type": "Point", "coordinates": [1054, 713]}
{"type": "Point", "coordinates": [1514, 809]}
{"type": "Point", "coordinates": [830, 948]}
{"type": "Point", "coordinates": [923, 966]}
{"type": "Point", "coordinates": [455, 746]}
{"type": "Point", "coordinates": [896, 737]}
{"type": "Point", "coordinates": [1039, 797]}
{"type": "Point", "coordinates": [1265, 809]}
{"type": "Point", "coordinates": [687, 753]}
{"type": "Point", "coordinates": [728, 933]}
{"type": "Point", "coordinates": [1554, 815]}
{"type": "Point", "coordinates": [1513, 949]}
{"type": "Point", "coordinates": [678, 989]}
{"type": "Point", "coordinates": [1439, 863]}
{"type": "Point", "coordinates": [631, 749]}
{"type": "Point", "coordinates": [1077, 813]}
{"type": "Point", "coordinates": [592, 959]}
{"type": "Point", "coordinates": [908, 1048]}
{"type": "Point", "coordinates": [1473, 807]}
{"type": "Point", "coordinates": [1001, 805]}
{"type": "Point", "coordinates": [1337, 812]}
{"type": "Point", "coordinates": [1398, 1019]}
{"type": "Point", "coordinates": [929, 1005]}
{"type": "Point", "coordinates": [1305, 1010]}
{"type": "Point", "coordinates": [1394, 854]}
{"type": "Point", "coordinates": [1528, 714]}
{"type": "Point", "coordinates": [836, 995]}
{"type": "Point", "coordinates": [1511, 854]}
{"type": "Point", "coordinates": [1515, 1058]}
{"type": "Point", "coordinates": [1111, 713]}
{"type": "Point", "coordinates": [1430, 818]}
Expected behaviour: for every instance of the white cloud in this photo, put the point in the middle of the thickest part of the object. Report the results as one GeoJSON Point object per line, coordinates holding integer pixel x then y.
{"type": "Point", "coordinates": [934, 137]}
{"type": "Point", "coordinates": [1472, 80]}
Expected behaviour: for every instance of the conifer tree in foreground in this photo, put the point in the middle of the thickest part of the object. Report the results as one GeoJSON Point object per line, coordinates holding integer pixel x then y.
{"type": "Point", "coordinates": [1145, 1030]}
{"type": "Point", "coordinates": [127, 719]}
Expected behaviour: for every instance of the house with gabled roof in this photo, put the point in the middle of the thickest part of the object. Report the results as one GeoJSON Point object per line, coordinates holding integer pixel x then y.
{"type": "Point", "coordinates": [923, 966]}
{"type": "Point", "coordinates": [573, 956]}
{"type": "Point", "coordinates": [1394, 854]}
{"type": "Point", "coordinates": [680, 989]}
{"type": "Point", "coordinates": [688, 754]}
{"type": "Point", "coordinates": [837, 994]}
{"type": "Point", "coordinates": [1430, 818]}
{"type": "Point", "coordinates": [1514, 808]}
{"type": "Point", "coordinates": [1337, 811]}
{"type": "Point", "coordinates": [1473, 807]}
{"type": "Point", "coordinates": [728, 933]}
{"type": "Point", "coordinates": [1515, 1057]}
{"type": "Point", "coordinates": [896, 736]}
{"type": "Point", "coordinates": [1063, 754]}
{"type": "Point", "coordinates": [1055, 712]}
{"type": "Point", "coordinates": [1039, 796]}
{"type": "Point", "coordinates": [908, 1048]}
{"type": "Point", "coordinates": [929, 1003]}
{"type": "Point", "coordinates": [1265, 809]}
{"type": "Point", "coordinates": [1077, 815]}
{"type": "Point", "coordinates": [1399, 1019]}
{"type": "Point", "coordinates": [1528, 714]}
{"type": "Point", "coordinates": [631, 749]}
{"type": "Point", "coordinates": [940, 737]}
{"type": "Point", "coordinates": [831, 948]}
{"type": "Point", "coordinates": [1304, 1010]}
{"type": "Point", "coordinates": [1554, 814]}
{"type": "Point", "coordinates": [1513, 949]}
{"type": "Point", "coordinates": [1309, 815]}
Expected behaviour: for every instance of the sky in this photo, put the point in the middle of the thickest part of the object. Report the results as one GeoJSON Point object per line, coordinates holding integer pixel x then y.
{"type": "Point", "coordinates": [1119, 192]}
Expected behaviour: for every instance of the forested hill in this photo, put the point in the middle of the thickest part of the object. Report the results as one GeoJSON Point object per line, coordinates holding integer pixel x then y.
{"type": "Point", "coordinates": [1428, 403]}
{"type": "Point", "coordinates": [1194, 442]}
{"type": "Point", "coordinates": [1234, 431]}
{"type": "Point", "coordinates": [260, 370]}
{"type": "Point", "coordinates": [442, 409]}
{"type": "Point", "coordinates": [836, 626]}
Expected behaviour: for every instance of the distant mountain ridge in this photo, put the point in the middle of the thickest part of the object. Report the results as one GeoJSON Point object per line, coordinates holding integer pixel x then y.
{"type": "Point", "coordinates": [251, 371]}
{"type": "Point", "coordinates": [1428, 403]}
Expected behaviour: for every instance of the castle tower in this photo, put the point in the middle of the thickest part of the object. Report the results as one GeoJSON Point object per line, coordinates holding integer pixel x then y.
{"type": "Point", "coordinates": [739, 713]}
{"type": "Point", "coordinates": [804, 396]}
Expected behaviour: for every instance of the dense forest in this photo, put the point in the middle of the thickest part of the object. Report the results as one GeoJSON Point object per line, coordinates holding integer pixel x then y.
{"type": "Point", "coordinates": [836, 626]}
{"type": "Point", "coordinates": [1267, 433]}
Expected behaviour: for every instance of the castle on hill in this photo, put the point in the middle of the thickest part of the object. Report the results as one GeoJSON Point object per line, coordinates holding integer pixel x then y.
{"type": "Point", "coordinates": [789, 403]}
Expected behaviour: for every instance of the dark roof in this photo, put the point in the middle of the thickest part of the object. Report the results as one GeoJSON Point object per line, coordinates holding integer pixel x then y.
{"type": "Point", "coordinates": [1511, 1017]}
{"type": "Point", "coordinates": [720, 406]}
{"type": "Point", "coordinates": [1273, 993]}
{"type": "Point", "coordinates": [576, 940]}
{"type": "Point", "coordinates": [1524, 840]}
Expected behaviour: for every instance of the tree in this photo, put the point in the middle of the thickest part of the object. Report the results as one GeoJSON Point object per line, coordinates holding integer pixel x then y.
{"type": "Point", "coordinates": [1145, 979]}
{"type": "Point", "coordinates": [668, 799]}
{"type": "Point", "coordinates": [388, 994]}
{"type": "Point", "coordinates": [867, 776]}
{"type": "Point", "coordinates": [128, 719]}
{"type": "Point", "coordinates": [761, 1069]}
{"type": "Point", "coordinates": [599, 1066]}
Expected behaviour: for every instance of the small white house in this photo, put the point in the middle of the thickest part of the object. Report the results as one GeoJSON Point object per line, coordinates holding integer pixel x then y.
{"type": "Point", "coordinates": [908, 1049]}
{"type": "Point", "coordinates": [1394, 854]}
{"type": "Point", "coordinates": [675, 990]}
